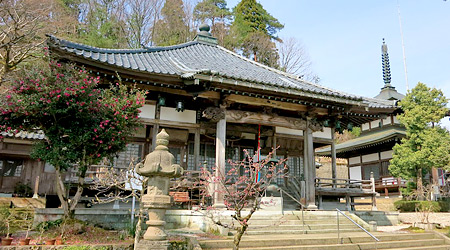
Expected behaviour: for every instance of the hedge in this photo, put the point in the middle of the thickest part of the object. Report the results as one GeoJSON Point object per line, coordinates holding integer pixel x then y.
{"type": "Point", "coordinates": [410, 206]}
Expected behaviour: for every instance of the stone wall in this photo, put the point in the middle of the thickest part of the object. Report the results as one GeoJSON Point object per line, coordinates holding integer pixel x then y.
{"type": "Point", "coordinates": [117, 219]}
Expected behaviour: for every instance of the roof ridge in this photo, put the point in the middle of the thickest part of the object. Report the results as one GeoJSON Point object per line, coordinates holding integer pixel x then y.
{"type": "Point", "coordinates": [387, 102]}
{"type": "Point", "coordinates": [289, 75]}
{"type": "Point", "coordinates": [67, 43]}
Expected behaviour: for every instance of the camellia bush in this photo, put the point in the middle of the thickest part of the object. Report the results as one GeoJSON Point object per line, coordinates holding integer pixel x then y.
{"type": "Point", "coordinates": [82, 122]}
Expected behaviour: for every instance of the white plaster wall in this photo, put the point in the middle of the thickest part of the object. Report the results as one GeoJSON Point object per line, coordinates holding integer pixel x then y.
{"type": "Point", "coordinates": [396, 121]}
{"type": "Point", "coordinates": [365, 126]}
{"type": "Point", "coordinates": [326, 133]}
{"type": "Point", "coordinates": [355, 173]}
{"type": "Point", "coordinates": [387, 154]}
{"type": "Point", "coordinates": [147, 111]}
{"type": "Point", "coordinates": [288, 131]}
{"type": "Point", "coordinates": [370, 157]}
{"type": "Point", "coordinates": [387, 121]}
{"type": "Point", "coordinates": [354, 160]}
{"type": "Point", "coordinates": [170, 114]}
{"type": "Point", "coordinates": [375, 124]}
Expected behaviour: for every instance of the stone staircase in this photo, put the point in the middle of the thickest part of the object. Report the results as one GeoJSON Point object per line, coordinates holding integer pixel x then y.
{"type": "Point", "coordinates": [320, 233]}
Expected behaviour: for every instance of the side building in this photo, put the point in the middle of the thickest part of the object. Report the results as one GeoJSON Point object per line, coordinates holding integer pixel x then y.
{"type": "Point", "coordinates": [372, 150]}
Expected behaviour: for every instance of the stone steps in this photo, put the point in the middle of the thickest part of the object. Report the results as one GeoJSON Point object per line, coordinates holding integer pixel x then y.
{"type": "Point", "coordinates": [296, 231]}
{"type": "Point", "coordinates": [357, 241]}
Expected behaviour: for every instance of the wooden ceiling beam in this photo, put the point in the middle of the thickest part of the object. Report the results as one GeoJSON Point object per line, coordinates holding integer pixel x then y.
{"type": "Point", "coordinates": [264, 102]}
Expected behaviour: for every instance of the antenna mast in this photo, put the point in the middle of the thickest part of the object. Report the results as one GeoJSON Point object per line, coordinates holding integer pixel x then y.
{"type": "Point", "coordinates": [403, 46]}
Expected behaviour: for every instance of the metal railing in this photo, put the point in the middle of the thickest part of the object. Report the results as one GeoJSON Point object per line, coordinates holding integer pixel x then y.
{"type": "Point", "coordinates": [302, 207]}
{"type": "Point", "coordinates": [350, 219]}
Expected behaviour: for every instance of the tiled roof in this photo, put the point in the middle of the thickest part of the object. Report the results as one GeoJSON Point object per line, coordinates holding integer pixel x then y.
{"type": "Point", "coordinates": [186, 60]}
{"type": "Point", "coordinates": [365, 141]}
{"type": "Point", "coordinates": [38, 135]}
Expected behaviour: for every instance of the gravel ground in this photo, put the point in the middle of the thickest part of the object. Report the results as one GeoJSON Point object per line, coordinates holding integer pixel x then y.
{"type": "Point", "coordinates": [409, 218]}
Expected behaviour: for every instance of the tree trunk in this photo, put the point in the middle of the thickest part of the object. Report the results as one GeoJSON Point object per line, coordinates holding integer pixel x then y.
{"type": "Point", "coordinates": [238, 236]}
{"type": "Point", "coordinates": [61, 192]}
{"type": "Point", "coordinates": [77, 196]}
{"type": "Point", "coordinates": [420, 190]}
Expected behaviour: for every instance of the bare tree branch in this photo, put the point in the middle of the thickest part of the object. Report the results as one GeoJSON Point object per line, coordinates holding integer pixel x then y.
{"type": "Point", "coordinates": [294, 59]}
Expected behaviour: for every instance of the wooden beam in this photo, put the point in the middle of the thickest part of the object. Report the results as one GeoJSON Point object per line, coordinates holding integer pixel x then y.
{"type": "Point", "coordinates": [206, 94]}
{"type": "Point", "coordinates": [238, 116]}
{"type": "Point", "coordinates": [170, 124]}
{"type": "Point", "coordinates": [264, 102]}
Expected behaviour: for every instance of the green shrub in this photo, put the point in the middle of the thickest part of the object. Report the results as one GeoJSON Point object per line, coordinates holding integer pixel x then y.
{"type": "Point", "coordinates": [432, 206]}
{"type": "Point", "coordinates": [47, 225]}
{"type": "Point", "coordinates": [23, 190]}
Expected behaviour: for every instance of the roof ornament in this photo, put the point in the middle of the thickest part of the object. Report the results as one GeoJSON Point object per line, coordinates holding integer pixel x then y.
{"type": "Point", "coordinates": [388, 92]}
{"type": "Point", "coordinates": [385, 64]}
{"type": "Point", "coordinates": [205, 36]}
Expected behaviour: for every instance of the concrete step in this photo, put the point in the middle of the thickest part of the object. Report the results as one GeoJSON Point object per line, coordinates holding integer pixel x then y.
{"type": "Point", "coordinates": [440, 247]}
{"type": "Point", "coordinates": [275, 231]}
{"type": "Point", "coordinates": [411, 244]}
{"type": "Point", "coordinates": [294, 222]}
{"type": "Point", "coordinates": [252, 241]}
{"type": "Point", "coordinates": [282, 227]}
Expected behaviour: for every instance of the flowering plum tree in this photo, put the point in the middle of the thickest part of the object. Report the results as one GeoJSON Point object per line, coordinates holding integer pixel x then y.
{"type": "Point", "coordinates": [82, 122]}
{"type": "Point", "coordinates": [242, 187]}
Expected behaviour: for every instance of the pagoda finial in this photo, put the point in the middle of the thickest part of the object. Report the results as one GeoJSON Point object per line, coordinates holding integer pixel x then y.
{"type": "Point", "coordinates": [385, 64]}
{"type": "Point", "coordinates": [205, 36]}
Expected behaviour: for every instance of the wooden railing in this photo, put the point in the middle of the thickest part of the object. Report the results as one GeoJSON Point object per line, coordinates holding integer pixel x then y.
{"type": "Point", "coordinates": [390, 181]}
{"type": "Point", "coordinates": [368, 185]}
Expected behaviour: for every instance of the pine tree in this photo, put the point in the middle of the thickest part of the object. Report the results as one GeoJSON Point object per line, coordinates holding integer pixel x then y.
{"type": "Point", "coordinates": [426, 145]}
{"type": "Point", "coordinates": [253, 30]}
{"type": "Point", "coordinates": [172, 28]}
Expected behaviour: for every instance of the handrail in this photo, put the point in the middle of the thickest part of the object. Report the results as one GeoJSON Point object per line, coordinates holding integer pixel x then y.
{"type": "Point", "coordinates": [301, 206]}
{"type": "Point", "coordinates": [350, 219]}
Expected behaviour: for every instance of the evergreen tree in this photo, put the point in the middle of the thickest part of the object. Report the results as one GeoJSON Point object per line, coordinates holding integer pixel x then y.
{"type": "Point", "coordinates": [172, 28]}
{"type": "Point", "coordinates": [252, 32]}
{"type": "Point", "coordinates": [101, 25]}
{"type": "Point", "coordinates": [217, 14]}
{"type": "Point", "coordinates": [426, 145]}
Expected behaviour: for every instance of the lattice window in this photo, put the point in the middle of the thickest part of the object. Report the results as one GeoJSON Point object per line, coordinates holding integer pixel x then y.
{"type": "Point", "coordinates": [11, 168]}
{"type": "Point", "coordinates": [133, 152]}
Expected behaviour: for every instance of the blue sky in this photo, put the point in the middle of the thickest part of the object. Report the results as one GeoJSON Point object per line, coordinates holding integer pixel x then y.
{"type": "Point", "coordinates": [343, 39]}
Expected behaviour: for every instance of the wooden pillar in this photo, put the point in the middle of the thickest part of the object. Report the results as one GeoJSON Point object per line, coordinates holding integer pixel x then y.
{"type": "Point", "coordinates": [310, 168]}
{"type": "Point", "coordinates": [348, 202]}
{"type": "Point", "coordinates": [221, 129]}
{"type": "Point", "coordinates": [374, 203]}
{"type": "Point", "coordinates": [197, 149]}
{"type": "Point", "coordinates": [155, 129]}
{"type": "Point", "coordinates": [333, 157]}
{"type": "Point", "coordinates": [274, 144]}
{"type": "Point", "coordinates": [147, 140]}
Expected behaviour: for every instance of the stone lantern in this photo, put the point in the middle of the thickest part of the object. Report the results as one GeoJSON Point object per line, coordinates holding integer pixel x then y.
{"type": "Point", "coordinates": [159, 167]}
